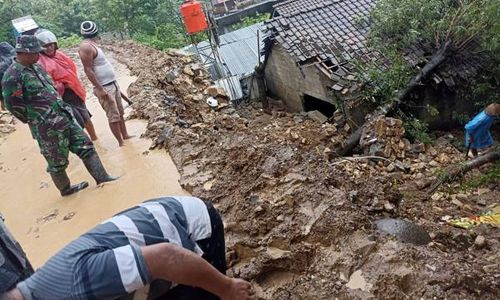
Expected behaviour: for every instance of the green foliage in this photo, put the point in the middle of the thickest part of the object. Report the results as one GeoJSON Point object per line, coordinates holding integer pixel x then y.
{"type": "Point", "coordinates": [417, 131]}
{"type": "Point", "coordinates": [69, 41]}
{"type": "Point", "coordinates": [248, 21]}
{"type": "Point", "coordinates": [491, 175]}
{"type": "Point", "coordinates": [154, 22]}
{"type": "Point", "coordinates": [398, 24]}
{"type": "Point", "coordinates": [386, 82]}
{"type": "Point", "coordinates": [166, 36]}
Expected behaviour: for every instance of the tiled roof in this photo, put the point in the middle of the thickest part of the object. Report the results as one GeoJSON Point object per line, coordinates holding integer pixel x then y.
{"type": "Point", "coordinates": [330, 31]}
{"type": "Point", "coordinates": [332, 34]}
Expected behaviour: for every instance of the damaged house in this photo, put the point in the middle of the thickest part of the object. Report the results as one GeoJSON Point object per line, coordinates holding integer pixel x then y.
{"type": "Point", "coordinates": [311, 48]}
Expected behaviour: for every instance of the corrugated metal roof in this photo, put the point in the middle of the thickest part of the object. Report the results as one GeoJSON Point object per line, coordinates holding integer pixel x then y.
{"type": "Point", "coordinates": [238, 50]}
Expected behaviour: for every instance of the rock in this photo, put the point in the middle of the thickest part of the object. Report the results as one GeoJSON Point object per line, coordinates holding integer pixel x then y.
{"type": "Point", "coordinates": [480, 241]}
{"type": "Point", "coordinates": [276, 253]}
{"type": "Point", "coordinates": [481, 201]}
{"type": "Point", "coordinates": [490, 268]}
{"type": "Point", "coordinates": [462, 197]}
{"type": "Point", "coordinates": [483, 191]}
{"type": "Point", "coordinates": [353, 196]}
{"type": "Point", "coordinates": [212, 91]}
{"type": "Point", "coordinates": [418, 148]}
{"type": "Point", "coordinates": [431, 267]}
{"type": "Point", "coordinates": [390, 167]}
{"type": "Point", "coordinates": [443, 158]}
{"type": "Point", "coordinates": [357, 281]}
{"type": "Point", "coordinates": [431, 151]}
{"type": "Point", "coordinates": [389, 206]}
{"type": "Point", "coordinates": [457, 202]}
{"type": "Point", "coordinates": [347, 128]}
{"type": "Point", "coordinates": [437, 196]}
{"type": "Point", "coordinates": [171, 76]}
{"type": "Point", "coordinates": [222, 93]}
{"type": "Point", "coordinates": [434, 163]}
{"type": "Point", "coordinates": [404, 231]}
{"type": "Point", "coordinates": [258, 209]}
{"type": "Point", "coordinates": [187, 70]}
{"type": "Point", "coordinates": [317, 116]}
{"type": "Point", "coordinates": [198, 97]}
{"type": "Point", "coordinates": [280, 218]}
{"type": "Point", "coordinates": [7, 128]}
{"type": "Point", "coordinates": [376, 150]}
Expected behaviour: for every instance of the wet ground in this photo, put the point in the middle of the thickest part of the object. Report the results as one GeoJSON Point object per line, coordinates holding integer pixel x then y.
{"type": "Point", "coordinates": [41, 219]}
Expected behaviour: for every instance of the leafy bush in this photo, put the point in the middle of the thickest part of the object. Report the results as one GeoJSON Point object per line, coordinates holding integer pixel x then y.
{"type": "Point", "coordinates": [69, 41]}
{"type": "Point", "coordinates": [248, 21]}
{"type": "Point", "coordinates": [166, 36]}
{"type": "Point", "coordinates": [417, 130]}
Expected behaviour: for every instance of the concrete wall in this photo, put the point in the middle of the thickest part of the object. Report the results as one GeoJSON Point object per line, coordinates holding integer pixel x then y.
{"type": "Point", "coordinates": [285, 80]}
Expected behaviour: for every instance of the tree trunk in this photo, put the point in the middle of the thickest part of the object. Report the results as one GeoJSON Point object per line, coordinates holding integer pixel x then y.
{"type": "Point", "coordinates": [425, 73]}
{"type": "Point", "coordinates": [459, 170]}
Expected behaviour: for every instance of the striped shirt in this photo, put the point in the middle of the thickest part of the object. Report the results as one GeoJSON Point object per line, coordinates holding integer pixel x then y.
{"type": "Point", "coordinates": [107, 262]}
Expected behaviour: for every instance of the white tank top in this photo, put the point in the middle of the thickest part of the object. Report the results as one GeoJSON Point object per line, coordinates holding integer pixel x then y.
{"type": "Point", "coordinates": [102, 67]}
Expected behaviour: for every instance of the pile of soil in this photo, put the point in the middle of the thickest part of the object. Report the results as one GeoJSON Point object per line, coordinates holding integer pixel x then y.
{"type": "Point", "coordinates": [299, 220]}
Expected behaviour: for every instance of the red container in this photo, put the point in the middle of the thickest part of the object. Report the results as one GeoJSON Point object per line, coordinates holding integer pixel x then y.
{"type": "Point", "coordinates": [193, 17]}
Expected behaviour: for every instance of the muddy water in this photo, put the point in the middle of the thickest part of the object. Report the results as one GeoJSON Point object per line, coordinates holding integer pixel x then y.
{"type": "Point", "coordinates": [41, 219]}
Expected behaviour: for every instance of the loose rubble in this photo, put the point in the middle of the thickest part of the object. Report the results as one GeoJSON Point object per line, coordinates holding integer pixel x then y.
{"type": "Point", "coordinates": [299, 220]}
{"type": "Point", "coordinates": [7, 123]}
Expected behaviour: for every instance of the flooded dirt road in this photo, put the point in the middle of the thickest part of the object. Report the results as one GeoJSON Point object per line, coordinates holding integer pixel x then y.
{"type": "Point", "coordinates": [41, 219]}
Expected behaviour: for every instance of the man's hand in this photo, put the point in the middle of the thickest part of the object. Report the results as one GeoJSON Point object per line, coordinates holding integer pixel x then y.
{"type": "Point", "coordinates": [101, 93]}
{"type": "Point", "coordinates": [239, 290]}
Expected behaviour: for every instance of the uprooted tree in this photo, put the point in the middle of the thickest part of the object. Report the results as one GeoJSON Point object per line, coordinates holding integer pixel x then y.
{"type": "Point", "coordinates": [457, 171]}
{"type": "Point", "coordinates": [449, 27]}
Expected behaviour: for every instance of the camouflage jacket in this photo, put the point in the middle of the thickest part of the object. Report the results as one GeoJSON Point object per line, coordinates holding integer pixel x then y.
{"type": "Point", "coordinates": [29, 93]}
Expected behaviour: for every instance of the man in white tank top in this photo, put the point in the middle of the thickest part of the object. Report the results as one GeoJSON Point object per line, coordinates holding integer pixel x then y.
{"type": "Point", "coordinates": [100, 72]}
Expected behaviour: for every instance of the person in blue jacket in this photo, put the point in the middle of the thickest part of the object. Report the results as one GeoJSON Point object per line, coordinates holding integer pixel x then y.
{"type": "Point", "coordinates": [477, 131]}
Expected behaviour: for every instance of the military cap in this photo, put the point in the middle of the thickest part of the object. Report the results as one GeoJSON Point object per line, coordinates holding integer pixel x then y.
{"type": "Point", "coordinates": [28, 44]}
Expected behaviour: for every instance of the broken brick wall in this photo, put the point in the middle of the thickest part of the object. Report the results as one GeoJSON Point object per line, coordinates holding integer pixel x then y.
{"type": "Point", "coordinates": [287, 82]}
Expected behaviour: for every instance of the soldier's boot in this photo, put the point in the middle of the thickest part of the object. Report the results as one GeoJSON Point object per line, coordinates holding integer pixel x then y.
{"type": "Point", "coordinates": [96, 169]}
{"type": "Point", "coordinates": [63, 184]}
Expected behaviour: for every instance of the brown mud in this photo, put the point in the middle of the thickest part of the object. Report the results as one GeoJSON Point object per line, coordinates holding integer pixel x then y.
{"type": "Point", "coordinates": [299, 222]}
{"type": "Point", "coordinates": [41, 219]}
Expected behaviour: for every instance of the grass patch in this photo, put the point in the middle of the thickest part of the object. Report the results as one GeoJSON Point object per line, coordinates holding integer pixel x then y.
{"type": "Point", "coordinates": [492, 175]}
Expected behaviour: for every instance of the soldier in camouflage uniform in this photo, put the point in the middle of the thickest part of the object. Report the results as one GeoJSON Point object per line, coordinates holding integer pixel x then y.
{"type": "Point", "coordinates": [29, 94]}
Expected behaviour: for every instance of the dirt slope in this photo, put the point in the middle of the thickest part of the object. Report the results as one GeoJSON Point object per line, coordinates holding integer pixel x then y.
{"type": "Point", "coordinates": [298, 220]}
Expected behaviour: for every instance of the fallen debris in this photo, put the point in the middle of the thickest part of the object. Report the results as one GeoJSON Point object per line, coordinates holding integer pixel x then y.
{"type": "Point", "coordinates": [279, 185]}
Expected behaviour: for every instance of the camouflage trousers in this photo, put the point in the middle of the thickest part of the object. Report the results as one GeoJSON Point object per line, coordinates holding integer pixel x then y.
{"type": "Point", "coordinates": [57, 135]}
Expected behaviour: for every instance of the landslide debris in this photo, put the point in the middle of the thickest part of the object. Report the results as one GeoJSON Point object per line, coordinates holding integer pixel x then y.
{"type": "Point", "coordinates": [7, 123]}
{"type": "Point", "coordinates": [299, 221]}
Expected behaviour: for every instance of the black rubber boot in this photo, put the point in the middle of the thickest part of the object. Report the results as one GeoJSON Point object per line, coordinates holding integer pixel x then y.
{"type": "Point", "coordinates": [63, 184]}
{"type": "Point", "coordinates": [96, 169]}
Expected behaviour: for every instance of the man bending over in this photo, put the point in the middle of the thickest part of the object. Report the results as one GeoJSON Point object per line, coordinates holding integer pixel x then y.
{"type": "Point", "coordinates": [174, 244]}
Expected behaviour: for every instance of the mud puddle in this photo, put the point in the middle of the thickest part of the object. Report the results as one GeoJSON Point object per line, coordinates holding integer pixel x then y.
{"type": "Point", "coordinates": [41, 219]}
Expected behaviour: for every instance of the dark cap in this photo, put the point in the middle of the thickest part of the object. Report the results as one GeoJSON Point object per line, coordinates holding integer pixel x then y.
{"type": "Point", "coordinates": [28, 44]}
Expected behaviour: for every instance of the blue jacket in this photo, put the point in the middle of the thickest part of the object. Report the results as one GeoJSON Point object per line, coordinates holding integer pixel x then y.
{"type": "Point", "coordinates": [479, 129]}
